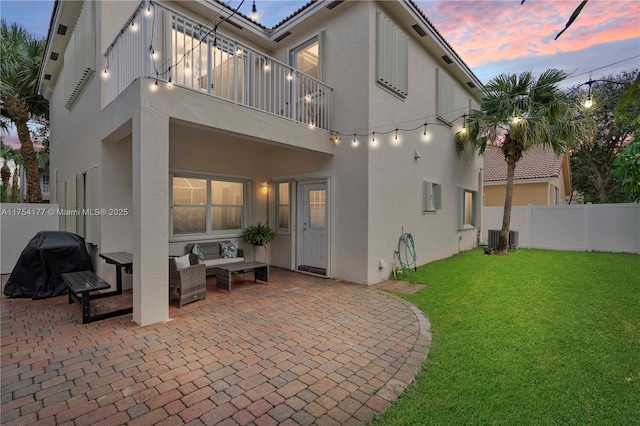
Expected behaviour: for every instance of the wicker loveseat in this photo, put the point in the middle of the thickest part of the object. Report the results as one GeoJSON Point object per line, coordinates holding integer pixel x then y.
{"type": "Point", "coordinates": [212, 255]}
{"type": "Point", "coordinates": [190, 282]}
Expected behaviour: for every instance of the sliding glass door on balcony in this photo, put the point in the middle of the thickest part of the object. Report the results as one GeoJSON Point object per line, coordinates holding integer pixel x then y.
{"type": "Point", "coordinates": [215, 66]}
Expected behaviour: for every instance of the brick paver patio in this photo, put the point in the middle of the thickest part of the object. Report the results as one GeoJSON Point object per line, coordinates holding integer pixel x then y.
{"type": "Point", "coordinates": [300, 350]}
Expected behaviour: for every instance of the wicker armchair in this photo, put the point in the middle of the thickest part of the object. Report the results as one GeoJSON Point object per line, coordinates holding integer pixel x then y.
{"type": "Point", "coordinates": [191, 282]}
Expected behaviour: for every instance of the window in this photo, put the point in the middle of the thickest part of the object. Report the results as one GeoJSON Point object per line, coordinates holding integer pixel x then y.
{"type": "Point", "coordinates": [317, 208]}
{"type": "Point", "coordinates": [206, 206]}
{"type": "Point", "coordinates": [218, 69]}
{"type": "Point", "coordinates": [556, 195]}
{"type": "Point", "coordinates": [431, 196]}
{"type": "Point", "coordinates": [392, 70]}
{"type": "Point", "coordinates": [467, 208]}
{"type": "Point", "coordinates": [306, 58]}
{"type": "Point", "coordinates": [45, 183]}
{"type": "Point", "coordinates": [283, 207]}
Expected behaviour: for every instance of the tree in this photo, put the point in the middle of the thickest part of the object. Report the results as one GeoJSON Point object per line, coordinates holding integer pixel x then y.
{"type": "Point", "coordinates": [517, 113]}
{"type": "Point", "coordinates": [627, 163]}
{"type": "Point", "coordinates": [20, 55]}
{"type": "Point", "coordinates": [592, 161]}
{"type": "Point", "coordinates": [627, 170]}
{"type": "Point", "coordinates": [10, 192]}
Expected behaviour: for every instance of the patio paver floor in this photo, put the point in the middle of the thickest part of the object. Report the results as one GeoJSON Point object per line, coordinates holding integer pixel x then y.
{"type": "Point", "coordinates": [299, 350]}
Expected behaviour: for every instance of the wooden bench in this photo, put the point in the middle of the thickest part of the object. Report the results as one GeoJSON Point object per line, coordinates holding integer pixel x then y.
{"type": "Point", "coordinates": [80, 285]}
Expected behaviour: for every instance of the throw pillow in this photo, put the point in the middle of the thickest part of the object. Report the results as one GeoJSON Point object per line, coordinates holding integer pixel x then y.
{"type": "Point", "coordinates": [182, 262]}
{"type": "Point", "coordinates": [228, 249]}
{"type": "Point", "coordinates": [197, 250]}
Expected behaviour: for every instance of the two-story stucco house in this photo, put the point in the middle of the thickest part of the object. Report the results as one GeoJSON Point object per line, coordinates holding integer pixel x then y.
{"type": "Point", "coordinates": [186, 122]}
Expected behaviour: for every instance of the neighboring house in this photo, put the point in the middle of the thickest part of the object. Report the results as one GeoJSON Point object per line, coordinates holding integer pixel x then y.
{"type": "Point", "coordinates": [542, 178]}
{"type": "Point", "coordinates": [196, 131]}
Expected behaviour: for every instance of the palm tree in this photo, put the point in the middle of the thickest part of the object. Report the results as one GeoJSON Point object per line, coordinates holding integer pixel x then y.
{"type": "Point", "coordinates": [8, 154]}
{"type": "Point", "coordinates": [20, 55]}
{"type": "Point", "coordinates": [517, 113]}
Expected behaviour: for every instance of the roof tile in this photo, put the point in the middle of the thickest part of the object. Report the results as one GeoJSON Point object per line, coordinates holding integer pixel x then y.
{"type": "Point", "coordinates": [536, 163]}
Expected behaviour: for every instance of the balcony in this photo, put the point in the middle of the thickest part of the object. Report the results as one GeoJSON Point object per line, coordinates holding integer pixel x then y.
{"type": "Point", "coordinates": [172, 49]}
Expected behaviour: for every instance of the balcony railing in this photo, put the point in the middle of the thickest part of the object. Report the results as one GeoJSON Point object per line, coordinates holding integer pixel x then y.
{"type": "Point", "coordinates": [173, 49]}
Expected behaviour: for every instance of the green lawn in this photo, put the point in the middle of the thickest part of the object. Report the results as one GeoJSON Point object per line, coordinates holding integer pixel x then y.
{"type": "Point", "coordinates": [536, 337]}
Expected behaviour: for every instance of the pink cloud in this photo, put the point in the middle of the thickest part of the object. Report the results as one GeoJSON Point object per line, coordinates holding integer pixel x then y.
{"type": "Point", "coordinates": [489, 31]}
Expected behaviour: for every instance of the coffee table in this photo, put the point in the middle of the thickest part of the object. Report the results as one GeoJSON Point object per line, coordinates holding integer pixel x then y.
{"type": "Point", "coordinates": [225, 273]}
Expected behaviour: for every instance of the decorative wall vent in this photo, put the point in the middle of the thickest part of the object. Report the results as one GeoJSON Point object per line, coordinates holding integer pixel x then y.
{"type": "Point", "coordinates": [417, 28]}
{"type": "Point", "coordinates": [87, 74]}
{"type": "Point", "coordinates": [282, 36]}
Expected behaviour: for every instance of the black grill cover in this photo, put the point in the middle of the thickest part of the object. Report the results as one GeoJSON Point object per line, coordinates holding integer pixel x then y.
{"type": "Point", "coordinates": [47, 256]}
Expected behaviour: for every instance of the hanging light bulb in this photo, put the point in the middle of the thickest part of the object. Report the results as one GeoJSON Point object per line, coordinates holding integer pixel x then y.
{"type": "Point", "coordinates": [187, 68]}
{"type": "Point", "coordinates": [134, 28]}
{"type": "Point", "coordinates": [105, 74]}
{"type": "Point", "coordinates": [589, 102]}
{"type": "Point", "coordinates": [396, 138]}
{"type": "Point", "coordinates": [148, 12]}
{"type": "Point", "coordinates": [425, 130]}
{"type": "Point", "coordinates": [464, 124]}
{"type": "Point", "coordinates": [254, 12]}
{"type": "Point", "coordinates": [355, 141]}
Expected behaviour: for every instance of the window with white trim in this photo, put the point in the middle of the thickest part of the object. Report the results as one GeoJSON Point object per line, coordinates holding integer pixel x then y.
{"type": "Point", "coordinates": [207, 205]}
{"type": "Point", "coordinates": [283, 207]}
{"type": "Point", "coordinates": [467, 216]}
{"type": "Point", "coordinates": [392, 58]}
{"type": "Point", "coordinates": [431, 196]}
{"type": "Point", "coordinates": [306, 57]}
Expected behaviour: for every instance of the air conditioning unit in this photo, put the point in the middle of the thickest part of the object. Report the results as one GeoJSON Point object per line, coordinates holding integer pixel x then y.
{"type": "Point", "coordinates": [494, 239]}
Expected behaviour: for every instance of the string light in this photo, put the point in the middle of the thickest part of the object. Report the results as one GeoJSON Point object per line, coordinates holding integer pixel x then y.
{"type": "Point", "coordinates": [148, 12]}
{"type": "Point", "coordinates": [254, 12]}
{"type": "Point", "coordinates": [589, 103]}
{"type": "Point", "coordinates": [105, 74]}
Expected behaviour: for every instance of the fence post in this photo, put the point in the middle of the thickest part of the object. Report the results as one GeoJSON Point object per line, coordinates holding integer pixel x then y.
{"type": "Point", "coordinates": [588, 219]}
{"type": "Point", "coordinates": [530, 222]}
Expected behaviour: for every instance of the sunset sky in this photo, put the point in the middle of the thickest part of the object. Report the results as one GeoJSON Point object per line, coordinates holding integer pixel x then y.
{"type": "Point", "coordinates": [492, 37]}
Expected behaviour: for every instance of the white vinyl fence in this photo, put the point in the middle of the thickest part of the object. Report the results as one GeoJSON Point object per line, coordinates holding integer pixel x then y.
{"type": "Point", "coordinates": [18, 224]}
{"type": "Point", "coordinates": [581, 227]}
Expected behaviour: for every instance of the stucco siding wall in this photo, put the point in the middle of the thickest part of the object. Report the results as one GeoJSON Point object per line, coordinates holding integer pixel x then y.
{"type": "Point", "coordinates": [395, 176]}
{"type": "Point", "coordinates": [537, 194]}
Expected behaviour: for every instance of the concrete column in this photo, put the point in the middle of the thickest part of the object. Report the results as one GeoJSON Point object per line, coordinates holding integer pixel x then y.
{"type": "Point", "coordinates": [150, 199]}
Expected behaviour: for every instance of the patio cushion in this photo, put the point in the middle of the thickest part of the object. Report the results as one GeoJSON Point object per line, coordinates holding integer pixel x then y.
{"type": "Point", "coordinates": [182, 262]}
{"type": "Point", "coordinates": [215, 262]}
{"type": "Point", "coordinates": [228, 249]}
{"type": "Point", "coordinates": [197, 250]}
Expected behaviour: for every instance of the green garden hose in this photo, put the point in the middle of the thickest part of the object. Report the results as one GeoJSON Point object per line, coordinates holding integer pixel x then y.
{"type": "Point", "coordinates": [409, 252]}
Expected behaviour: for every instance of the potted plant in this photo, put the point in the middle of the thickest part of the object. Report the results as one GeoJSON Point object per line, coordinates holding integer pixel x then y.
{"type": "Point", "coordinates": [258, 235]}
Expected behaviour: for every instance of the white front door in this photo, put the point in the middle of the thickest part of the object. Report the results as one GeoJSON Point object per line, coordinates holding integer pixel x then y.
{"type": "Point", "coordinates": [313, 226]}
